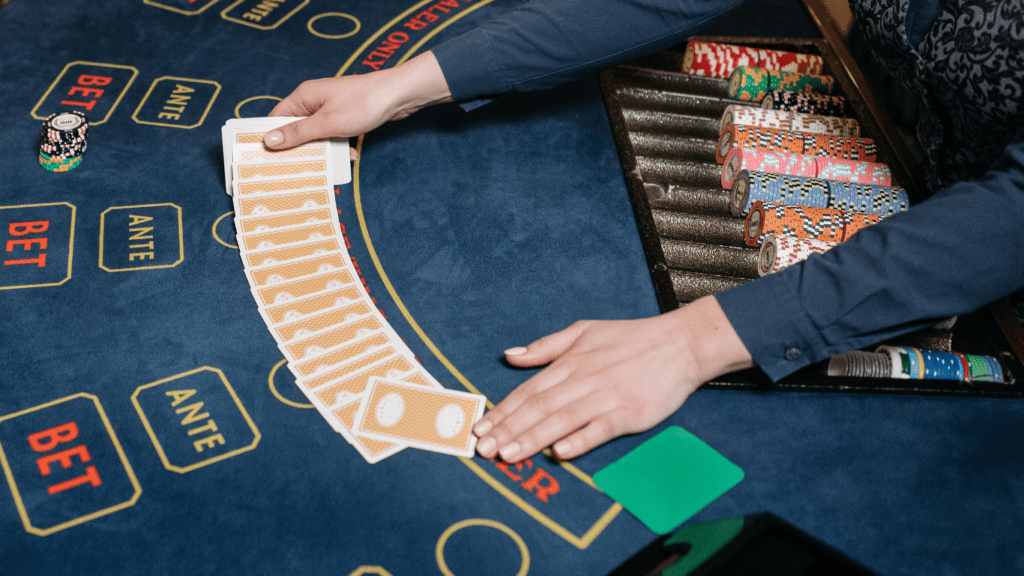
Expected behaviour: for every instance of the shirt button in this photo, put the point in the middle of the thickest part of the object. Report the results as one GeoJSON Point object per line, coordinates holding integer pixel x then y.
{"type": "Point", "coordinates": [793, 353]}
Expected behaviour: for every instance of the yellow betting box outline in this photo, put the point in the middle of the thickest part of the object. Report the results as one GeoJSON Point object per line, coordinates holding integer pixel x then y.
{"type": "Point", "coordinates": [169, 125]}
{"type": "Point", "coordinates": [208, 461]}
{"type": "Point", "coordinates": [135, 72]}
{"type": "Point", "coordinates": [71, 243]}
{"type": "Point", "coordinates": [181, 238]}
{"type": "Point", "coordinates": [81, 519]}
{"type": "Point", "coordinates": [179, 10]}
{"type": "Point", "coordinates": [524, 552]}
{"type": "Point", "coordinates": [224, 15]}
{"type": "Point", "coordinates": [595, 530]}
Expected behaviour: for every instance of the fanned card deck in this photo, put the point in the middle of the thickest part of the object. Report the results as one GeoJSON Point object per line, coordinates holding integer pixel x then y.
{"type": "Point", "coordinates": [346, 358]}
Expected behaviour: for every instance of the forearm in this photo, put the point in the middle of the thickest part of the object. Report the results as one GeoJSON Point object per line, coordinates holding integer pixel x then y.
{"type": "Point", "coordinates": [958, 251]}
{"type": "Point", "coordinates": [545, 42]}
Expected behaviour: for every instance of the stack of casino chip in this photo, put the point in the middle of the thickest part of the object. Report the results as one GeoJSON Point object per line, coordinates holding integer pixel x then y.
{"type": "Point", "coordinates": [856, 171]}
{"type": "Point", "coordinates": [916, 364]}
{"type": "Point", "coordinates": [750, 84]}
{"type": "Point", "coordinates": [805, 103]}
{"type": "Point", "coordinates": [753, 185]}
{"type": "Point", "coordinates": [778, 253]}
{"type": "Point", "coordinates": [845, 147]}
{"type": "Point", "coordinates": [795, 221]}
{"type": "Point", "coordinates": [802, 165]}
{"type": "Point", "coordinates": [784, 120]}
{"type": "Point", "coordinates": [860, 364]}
{"type": "Point", "coordinates": [719, 60]}
{"type": "Point", "coordinates": [62, 143]}
{"type": "Point", "coordinates": [869, 198]}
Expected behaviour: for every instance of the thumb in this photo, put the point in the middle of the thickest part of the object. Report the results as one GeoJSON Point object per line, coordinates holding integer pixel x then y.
{"type": "Point", "coordinates": [298, 132]}
{"type": "Point", "coordinates": [547, 349]}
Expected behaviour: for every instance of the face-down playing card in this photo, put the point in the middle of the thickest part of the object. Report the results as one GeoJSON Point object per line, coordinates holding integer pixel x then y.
{"type": "Point", "coordinates": [438, 420]}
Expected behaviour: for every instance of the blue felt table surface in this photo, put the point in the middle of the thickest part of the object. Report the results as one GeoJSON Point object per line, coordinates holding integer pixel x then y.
{"type": "Point", "coordinates": [494, 228]}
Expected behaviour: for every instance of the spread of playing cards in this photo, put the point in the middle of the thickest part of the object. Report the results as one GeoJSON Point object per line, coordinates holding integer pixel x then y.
{"type": "Point", "coordinates": [345, 357]}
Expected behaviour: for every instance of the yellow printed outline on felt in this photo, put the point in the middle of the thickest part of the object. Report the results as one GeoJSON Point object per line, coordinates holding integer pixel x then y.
{"type": "Point", "coordinates": [378, 570]}
{"type": "Point", "coordinates": [309, 26]}
{"type": "Point", "coordinates": [595, 530]}
{"type": "Point", "coordinates": [20, 504]}
{"type": "Point", "coordinates": [224, 15]}
{"type": "Point", "coordinates": [216, 236]}
{"type": "Point", "coordinates": [179, 10]}
{"type": "Point", "coordinates": [71, 244]}
{"type": "Point", "coordinates": [150, 91]}
{"type": "Point", "coordinates": [135, 72]}
{"type": "Point", "coordinates": [273, 388]}
{"type": "Point", "coordinates": [181, 238]}
{"type": "Point", "coordinates": [524, 552]}
{"type": "Point", "coordinates": [156, 442]}
{"type": "Point", "coordinates": [579, 541]}
{"type": "Point", "coordinates": [238, 109]}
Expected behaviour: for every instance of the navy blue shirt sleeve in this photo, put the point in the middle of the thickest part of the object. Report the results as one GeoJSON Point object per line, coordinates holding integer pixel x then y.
{"type": "Point", "coordinates": [544, 43]}
{"type": "Point", "coordinates": [952, 254]}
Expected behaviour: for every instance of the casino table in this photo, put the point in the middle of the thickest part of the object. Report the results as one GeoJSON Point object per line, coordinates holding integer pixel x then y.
{"type": "Point", "coordinates": [474, 231]}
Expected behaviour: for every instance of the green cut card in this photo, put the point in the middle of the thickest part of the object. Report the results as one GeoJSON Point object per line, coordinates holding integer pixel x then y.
{"type": "Point", "coordinates": [668, 479]}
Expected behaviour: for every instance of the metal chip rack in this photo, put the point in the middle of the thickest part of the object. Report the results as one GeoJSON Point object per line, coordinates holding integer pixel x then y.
{"type": "Point", "coordinates": [666, 124]}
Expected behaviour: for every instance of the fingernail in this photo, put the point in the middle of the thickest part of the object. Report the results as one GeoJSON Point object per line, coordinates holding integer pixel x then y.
{"type": "Point", "coordinates": [515, 351]}
{"type": "Point", "coordinates": [486, 445]}
{"type": "Point", "coordinates": [509, 452]}
{"type": "Point", "coordinates": [562, 448]}
{"type": "Point", "coordinates": [483, 428]}
{"type": "Point", "coordinates": [273, 138]}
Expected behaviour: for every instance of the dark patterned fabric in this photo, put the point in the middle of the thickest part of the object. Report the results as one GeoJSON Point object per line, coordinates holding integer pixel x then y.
{"type": "Point", "coordinates": [968, 72]}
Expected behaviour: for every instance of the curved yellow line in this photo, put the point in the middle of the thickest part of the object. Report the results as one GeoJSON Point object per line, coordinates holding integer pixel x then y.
{"type": "Point", "coordinates": [273, 388]}
{"type": "Point", "coordinates": [380, 31]}
{"type": "Point", "coordinates": [214, 230]}
{"type": "Point", "coordinates": [238, 109]}
{"type": "Point", "coordinates": [309, 26]}
{"type": "Point", "coordinates": [415, 47]}
{"type": "Point", "coordinates": [524, 552]}
{"type": "Point", "coordinates": [613, 511]}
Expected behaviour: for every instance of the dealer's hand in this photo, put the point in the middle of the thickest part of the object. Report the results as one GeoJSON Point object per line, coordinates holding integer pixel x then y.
{"type": "Point", "coordinates": [354, 105]}
{"type": "Point", "coordinates": [609, 378]}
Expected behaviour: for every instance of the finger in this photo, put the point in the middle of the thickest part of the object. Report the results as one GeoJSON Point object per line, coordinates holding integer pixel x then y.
{"type": "Point", "coordinates": [602, 429]}
{"type": "Point", "coordinates": [501, 439]}
{"type": "Point", "coordinates": [290, 106]}
{"type": "Point", "coordinates": [353, 154]}
{"type": "Point", "coordinates": [298, 132]}
{"type": "Point", "coordinates": [538, 383]}
{"type": "Point", "coordinates": [570, 417]}
{"type": "Point", "coordinates": [546, 349]}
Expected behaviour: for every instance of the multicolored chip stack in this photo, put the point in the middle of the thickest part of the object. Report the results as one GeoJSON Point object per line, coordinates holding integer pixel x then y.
{"type": "Point", "coordinates": [805, 103]}
{"type": "Point", "coordinates": [853, 171]}
{"type": "Point", "coordinates": [752, 186]}
{"type": "Point", "coordinates": [839, 169]}
{"type": "Point", "coordinates": [786, 120]}
{"type": "Point", "coordinates": [751, 84]}
{"type": "Point", "coordinates": [845, 147]}
{"type": "Point", "coordinates": [909, 363]}
{"type": "Point", "coordinates": [62, 143]}
{"type": "Point", "coordinates": [779, 252]}
{"type": "Point", "coordinates": [719, 60]}
{"type": "Point", "coordinates": [883, 200]}
{"type": "Point", "coordinates": [795, 221]}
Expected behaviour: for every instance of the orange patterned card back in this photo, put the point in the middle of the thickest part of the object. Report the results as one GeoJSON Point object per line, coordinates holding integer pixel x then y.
{"type": "Point", "coordinates": [428, 418]}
